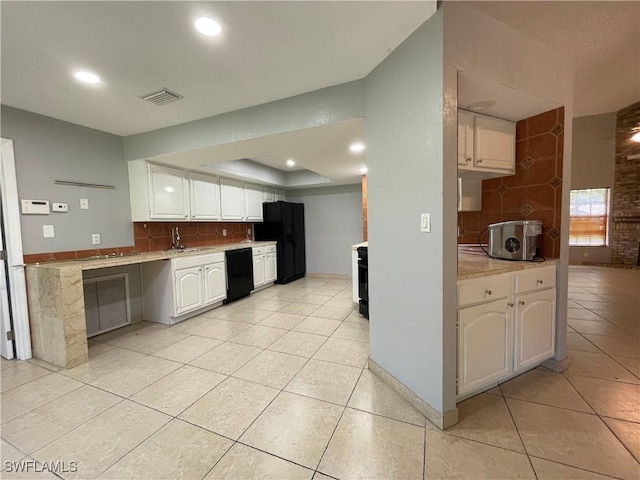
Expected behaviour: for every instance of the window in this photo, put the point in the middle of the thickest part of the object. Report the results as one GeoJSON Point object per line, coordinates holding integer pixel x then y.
{"type": "Point", "coordinates": [589, 212]}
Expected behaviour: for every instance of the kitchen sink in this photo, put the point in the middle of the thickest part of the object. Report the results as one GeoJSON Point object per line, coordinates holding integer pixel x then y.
{"type": "Point", "coordinates": [183, 250]}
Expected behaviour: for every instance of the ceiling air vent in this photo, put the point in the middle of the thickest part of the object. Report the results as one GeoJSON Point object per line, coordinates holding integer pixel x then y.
{"type": "Point", "coordinates": [161, 97]}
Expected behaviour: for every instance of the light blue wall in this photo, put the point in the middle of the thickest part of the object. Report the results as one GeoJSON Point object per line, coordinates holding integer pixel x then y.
{"type": "Point", "coordinates": [47, 149]}
{"type": "Point", "coordinates": [333, 222]}
{"type": "Point", "coordinates": [404, 102]}
{"type": "Point", "coordinates": [321, 107]}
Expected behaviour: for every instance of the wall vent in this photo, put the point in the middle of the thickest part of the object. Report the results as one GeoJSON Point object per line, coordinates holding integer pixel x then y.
{"type": "Point", "coordinates": [106, 303]}
{"type": "Point", "coordinates": [161, 97]}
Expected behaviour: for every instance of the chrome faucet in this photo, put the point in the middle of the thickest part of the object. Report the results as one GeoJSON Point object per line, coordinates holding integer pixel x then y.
{"type": "Point", "coordinates": [175, 238]}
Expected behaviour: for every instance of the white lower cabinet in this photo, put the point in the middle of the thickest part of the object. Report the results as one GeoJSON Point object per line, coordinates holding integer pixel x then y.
{"type": "Point", "coordinates": [188, 289]}
{"type": "Point", "coordinates": [485, 344]}
{"type": "Point", "coordinates": [534, 328]}
{"type": "Point", "coordinates": [264, 266]}
{"type": "Point", "coordinates": [176, 289]}
{"type": "Point", "coordinates": [271, 268]}
{"type": "Point", "coordinates": [506, 325]}
{"type": "Point", "coordinates": [215, 283]}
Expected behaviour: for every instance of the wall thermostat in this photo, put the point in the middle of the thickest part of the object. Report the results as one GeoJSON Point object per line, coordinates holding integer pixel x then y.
{"type": "Point", "coordinates": [35, 207]}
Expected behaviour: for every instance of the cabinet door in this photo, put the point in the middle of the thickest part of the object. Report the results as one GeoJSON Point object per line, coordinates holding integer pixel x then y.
{"type": "Point", "coordinates": [167, 193]}
{"type": "Point", "coordinates": [465, 139]}
{"type": "Point", "coordinates": [535, 328]}
{"type": "Point", "coordinates": [231, 200]}
{"type": "Point", "coordinates": [205, 197]}
{"type": "Point", "coordinates": [253, 202]}
{"type": "Point", "coordinates": [189, 295]}
{"type": "Point", "coordinates": [215, 285]}
{"type": "Point", "coordinates": [268, 195]}
{"type": "Point", "coordinates": [495, 144]}
{"type": "Point", "coordinates": [485, 345]}
{"type": "Point", "coordinates": [271, 269]}
{"type": "Point", "coordinates": [258, 270]}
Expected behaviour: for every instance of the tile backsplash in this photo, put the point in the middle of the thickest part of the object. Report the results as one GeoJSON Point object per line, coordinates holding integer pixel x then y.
{"type": "Point", "coordinates": [152, 236]}
{"type": "Point", "coordinates": [534, 192]}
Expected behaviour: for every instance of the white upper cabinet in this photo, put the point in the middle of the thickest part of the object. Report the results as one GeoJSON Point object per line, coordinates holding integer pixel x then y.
{"type": "Point", "coordinates": [495, 144]}
{"type": "Point", "coordinates": [167, 193]}
{"type": "Point", "coordinates": [252, 202]}
{"type": "Point", "coordinates": [205, 197]}
{"type": "Point", "coordinates": [486, 146]}
{"type": "Point", "coordinates": [465, 138]}
{"type": "Point", "coordinates": [158, 192]}
{"type": "Point", "coordinates": [231, 200]}
{"type": "Point", "coordinates": [268, 194]}
{"type": "Point", "coordinates": [280, 196]}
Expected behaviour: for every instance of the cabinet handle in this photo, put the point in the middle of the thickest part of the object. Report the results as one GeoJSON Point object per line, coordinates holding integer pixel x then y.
{"type": "Point", "coordinates": [186, 216]}
{"type": "Point", "coordinates": [521, 302]}
{"type": "Point", "coordinates": [540, 282]}
{"type": "Point", "coordinates": [488, 292]}
{"type": "Point", "coordinates": [468, 159]}
{"type": "Point", "coordinates": [479, 160]}
{"type": "Point", "coordinates": [510, 304]}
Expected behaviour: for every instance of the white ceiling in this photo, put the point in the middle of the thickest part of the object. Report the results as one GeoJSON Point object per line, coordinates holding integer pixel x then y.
{"type": "Point", "coordinates": [603, 38]}
{"type": "Point", "coordinates": [267, 51]}
{"type": "Point", "coordinates": [323, 150]}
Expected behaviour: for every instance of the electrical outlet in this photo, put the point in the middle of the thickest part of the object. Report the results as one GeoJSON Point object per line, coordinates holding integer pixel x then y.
{"type": "Point", "coordinates": [248, 231]}
{"type": "Point", "coordinates": [224, 232]}
{"type": "Point", "coordinates": [48, 231]}
{"type": "Point", "coordinates": [84, 203]}
{"type": "Point", "coordinates": [95, 238]}
{"type": "Point", "coordinates": [585, 254]}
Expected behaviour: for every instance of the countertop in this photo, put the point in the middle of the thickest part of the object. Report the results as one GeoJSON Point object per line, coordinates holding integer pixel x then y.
{"type": "Point", "coordinates": [94, 263]}
{"type": "Point", "coordinates": [363, 244]}
{"type": "Point", "coordinates": [473, 265]}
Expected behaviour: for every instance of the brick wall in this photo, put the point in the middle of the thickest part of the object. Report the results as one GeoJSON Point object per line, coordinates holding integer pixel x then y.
{"type": "Point", "coordinates": [534, 192]}
{"type": "Point", "coordinates": [625, 198]}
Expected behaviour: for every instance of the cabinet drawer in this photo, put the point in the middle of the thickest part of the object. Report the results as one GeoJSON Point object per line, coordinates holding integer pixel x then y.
{"type": "Point", "coordinates": [258, 251]}
{"type": "Point", "coordinates": [197, 260]}
{"type": "Point", "coordinates": [535, 279]}
{"type": "Point", "coordinates": [485, 289]}
{"type": "Point", "coordinates": [270, 249]}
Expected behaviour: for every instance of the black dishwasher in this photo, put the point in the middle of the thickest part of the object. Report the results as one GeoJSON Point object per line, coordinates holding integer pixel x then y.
{"type": "Point", "coordinates": [239, 273]}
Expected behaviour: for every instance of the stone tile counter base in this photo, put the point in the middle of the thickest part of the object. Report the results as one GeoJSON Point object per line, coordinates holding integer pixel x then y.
{"type": "Point", "coordinates": [56, 302]}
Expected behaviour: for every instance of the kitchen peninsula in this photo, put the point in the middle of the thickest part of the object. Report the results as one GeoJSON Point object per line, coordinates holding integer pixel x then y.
{"type": "Point", "coordinates": [56, 300]}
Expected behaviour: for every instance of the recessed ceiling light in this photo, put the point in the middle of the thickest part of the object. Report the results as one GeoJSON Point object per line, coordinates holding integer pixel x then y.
{"type": "Point", "coordinates": [86, 77]}
{"type": "Point", "coordinates": [357, 147]}
{"type": "Point", "coordinates": [364, 170]}
{"type": "Point", "coordinates": [290, 163]}
{"type": "Point", "coordinates": [208, 26]}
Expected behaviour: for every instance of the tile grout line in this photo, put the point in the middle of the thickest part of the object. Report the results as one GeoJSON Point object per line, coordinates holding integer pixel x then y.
{"type": "Point", "coordinates": [515, 424]}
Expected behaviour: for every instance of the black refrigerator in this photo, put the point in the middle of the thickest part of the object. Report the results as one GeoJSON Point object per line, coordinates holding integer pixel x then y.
{"type": "Point", "coordinates": [284, 223]}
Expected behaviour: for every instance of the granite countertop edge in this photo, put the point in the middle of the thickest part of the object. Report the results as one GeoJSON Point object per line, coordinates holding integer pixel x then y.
{"type": "Point", "coordinates": [96, 263]}
{"type": "Point", "coordinates": [476, 266]}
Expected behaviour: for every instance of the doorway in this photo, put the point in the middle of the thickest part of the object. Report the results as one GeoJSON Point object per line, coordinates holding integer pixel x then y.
{"type": "Point", "coordinates": [15, 341]}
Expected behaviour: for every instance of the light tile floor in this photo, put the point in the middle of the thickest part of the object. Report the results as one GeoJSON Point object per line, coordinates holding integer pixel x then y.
{"type": "Point", "coordinates": [276, 386]}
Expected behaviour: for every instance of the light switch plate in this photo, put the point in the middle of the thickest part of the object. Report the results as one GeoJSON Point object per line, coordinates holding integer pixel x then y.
{"type": "Point", "coordinates": [224, 232]}
{"type": "Point", "coordinates": [48, 231]}
{"type": "Point", "coordinates": [95, 238]}
{"type": "Point", "coordinates": [425, 222]}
